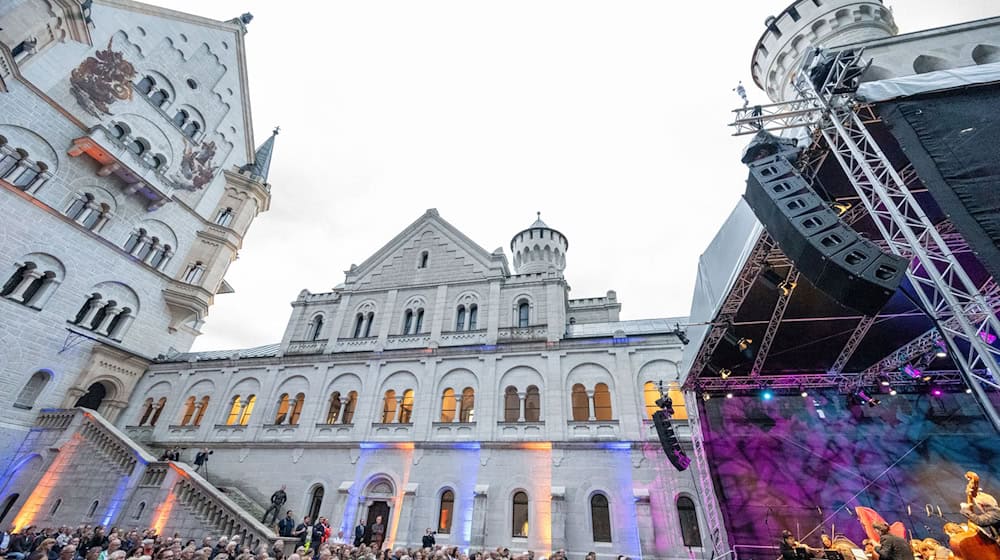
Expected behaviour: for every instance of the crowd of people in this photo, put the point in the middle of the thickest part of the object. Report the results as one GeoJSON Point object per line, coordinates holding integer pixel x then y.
{"type": "Point", "coordinates": [313, 541]}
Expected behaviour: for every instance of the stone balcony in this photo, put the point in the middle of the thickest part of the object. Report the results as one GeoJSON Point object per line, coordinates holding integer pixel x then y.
{"type": "Point", "coordinates": [357, 344]}
{"type": "Point", "coordinates": [520, 334]}
{"type": "Point", "coordinates": [280, 432]}
{"type": "Point", "coordinates": [332, 432]}
{"type": "Point", "coordinates": [521, 430]}
{"type": "Point", "coordinates": [141, 434]}
{"type": "Point", "coordinates": [453, 431]}
{"type": "Point", "coordinates": [178, 433]}
{"type": "Point", "coordinates": [231, 432]}
{"type": "Point", "coordinates": [594, 430]}
{"type": "Point", "coordinates": [408, 341]}
{"type": "Point", "coordinates": [461, 338]}
{"type": "Point", "coordinates": [306, 347]}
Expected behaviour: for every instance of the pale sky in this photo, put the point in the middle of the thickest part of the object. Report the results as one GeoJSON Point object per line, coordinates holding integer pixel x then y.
{"type": "Point", "coordinates": [609, 117]}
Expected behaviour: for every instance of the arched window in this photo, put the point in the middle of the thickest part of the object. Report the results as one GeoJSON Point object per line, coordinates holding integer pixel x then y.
{"type": "Point", "coordinates": [136, 146]}
{"type": "Point", "coordinates": [224, 217]}
{"type": "Point", "coordinates": [300, 400]}
{"type": "Point", "coordinates": [145, 85]}
{"type": "Point", "coordinates": [406, 407]}
{"type": "Point", "coordinates": [424, 257]}
{"type": "Point", "coordinates": [448, 405]}
{"type": "Point", "coordinates": [467, 411]}
{"type": "Point", "coordinates": [159, 97]}
{"type": "Point", "coordinates": [28, 175]}
{"type": "Point", "coordinates": [32, 389]}
{"type": "Point", "coordinates": [407, 321]}
{"type": "Point", "coordinates": [523, 312]}
{"type": "Point", "coordinates": [118, 131]}
{"type": "Point", "coordinates": [419, 327]}
{"type": "Point", "coordinates": [316, 327]}
{"type": "Point", "coordinates": [180, 117]}
{"type": "Point", "coordinates": [282, 413]}
{"type": "Point", "coordinates": [473, 316]}
{"type": "Point", "coordinates": [520, 515]}
{"type": "Point", "coordinates": [188, 411]}
{"type": "Point", "coordinates": [192, 128]}
{"type": "Point", "coordinates": [389, 407]}
{"type": "Point", "coordinates": [55, 506]}
{"type": "Point", "coordinates": [446, 512]}
{"type": "Point", "coordinates": [15, 280]}
{"type": "Point", "coordinates": [581, 404]}
{"type": "Point", "coordinates": [134, 239]}
{"type": "Point", "coordinates": [158, 161]}
{"type": "Point", "coordinates": [201, 410]}
{"type": "Point", "coordinates": [352, 403]}
{"type": "Point", "coordinates": [688, 517]}
{"type": "Point", "coordinates": [650, 394]}
{"type": "Point", "coordinates": [8, 504]}
{"type": "Point", "coordinates": [369, 319]}
{"type": "Point", "coordinates": [600, 518]}
{"type": "Point", "coordinates": [248, 410]}
{"type": "Point", "coordinates": [160, 405]}
{"type": "Point", "coordinates": [333, 412]}
{"type": "Point", "coordinates": [460, 318]}
{"type": "Point", "coordinates": [147, 411]}
{"type": "Point", "coordinates": [359, 322]}
{"type": "Point", "coordinates": [194, 272]}
{"type": "Point", "coordinates": [159, 260]}
{"type": "Point", "coordinates": [139, 509]}
{"type": "Point", "coordinates": [316, 502]}
{"type": "Point", "coordinates": [79, 207]}
{"type": "Point", "coordinates": [602, 402]}
{"type": "Point", "coordinates": [532, 405]}
{"type": "Point", "coordinates": [511, 405]}
{"type": "Point", "coordinates": [96, 218]}
{"type": "Point", "coordinates": [93, 508]}
{"type": "Point", "coordinates": [677, 397]}
{"type": "Point", "coordinates": [234, 411]}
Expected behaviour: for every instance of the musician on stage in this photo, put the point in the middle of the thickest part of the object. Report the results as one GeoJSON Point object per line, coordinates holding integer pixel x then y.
{"type": "Point", "coordinates": [789, 546]}
{"type": "Point", "coordinates": [990, 517]}
{"type": "Point", "coordinates": [891, 547]}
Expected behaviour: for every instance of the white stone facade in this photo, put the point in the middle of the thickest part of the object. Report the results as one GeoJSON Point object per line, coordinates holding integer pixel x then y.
{"type": "Point", "coordinates": [516, 400]}
{"type": "Point", "coordinates": [108, 198]}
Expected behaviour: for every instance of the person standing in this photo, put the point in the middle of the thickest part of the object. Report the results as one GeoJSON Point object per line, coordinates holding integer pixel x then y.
{"type": "Point", "coordinates": [891, 547]}
{"type": "Point", "coordinates": [201, 461]}
{"type": "Point", "coordinates": [278, 499]}
{"type": "Point", "coordinates": [378, 533]}
{"type": "Point", "coordinates": [304, 532]}
{"type": "Point", "coordinates": [286, 525]}
{"type": "Point", "coordinates": [428, 540]}
{"type": "Point", "coordinates": [359, 534]}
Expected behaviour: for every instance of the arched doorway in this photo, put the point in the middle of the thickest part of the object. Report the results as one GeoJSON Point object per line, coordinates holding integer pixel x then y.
{"type": "Point", "coordinates": [378, 499]}
{"type": "Point", "coordinates": [94, 396]}
{"type": "Point", "coordinates": [316, 502]}
{"type": "Point", "coordinates": [8, 504]}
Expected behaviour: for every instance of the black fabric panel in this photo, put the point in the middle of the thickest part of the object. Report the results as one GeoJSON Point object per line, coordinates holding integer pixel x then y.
{"type": "Point", "coordinates": [953, 140]}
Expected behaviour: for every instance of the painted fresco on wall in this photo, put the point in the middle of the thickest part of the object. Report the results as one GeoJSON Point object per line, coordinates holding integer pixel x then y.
{"type": "Point", "coordinates": [196, 169]}
{"type": "Point", "coordinates": [805, 464]}
{"type": "Point", "coordinates": [102, 80]}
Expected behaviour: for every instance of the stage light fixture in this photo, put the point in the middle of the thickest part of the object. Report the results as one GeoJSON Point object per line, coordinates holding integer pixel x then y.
{"type": "Point", "coordinates": [893, 392]}
{"type": "Point", "coordinates": [968, 390]}
{"type": "Point", "coordinates": [680, 334]}
{"type": "Point", "coordinates": [766, 394]}
{"type": "Point", "coordinates": [706, 396]}
{"type": "Point", "coordinates": [912, 371]}
{"type": "Point", "coordinates": [841, 208]}
{"type": "Point", "coordinates": [729, 395]}
{"type": "Point", "coordinates": [942, 350]}
{"type": "Point", "coordinates": [988, 337]}
{"type": "Point", "coordinates": [787, 287]}
{"type": "Point", "coordinates": [937, 392]}
{"type": "Point", "coordinates": [885, 382]}
{"type": "Point", "coordinates": [725, 373]}
{"type": "Point", "coordinates": [871, 402]}
{"type": "Point", "coordinates": [803, 392]}
{"type": "Point", "coordinates": [926, 379]}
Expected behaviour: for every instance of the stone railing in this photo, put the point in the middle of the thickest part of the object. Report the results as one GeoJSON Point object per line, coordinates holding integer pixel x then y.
{"type": "Point", "coordinates": [117, 448]}
{"type": "Point", "coordinates": [357, 344]}
{"type": "Point", "coordinates": [55, 419]}
{"type": "Point", "coordinates": [593, 429]}
{"type": "Point", "coordinates": [521, 430]}
{"type": "Point", "coordinates": [452, 338]}
{"type": "Point", "coordinates": [306, 347]}
{"type": "Point", "coordinates": [407, 341]}
{"type": "Point", "coordinates": [451, 431]}
{"type": "Point", "coordinates": [537, 332]}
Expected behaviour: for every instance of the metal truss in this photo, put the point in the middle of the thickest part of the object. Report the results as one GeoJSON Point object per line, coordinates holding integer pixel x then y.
{"type": "Point", "coordinates": [943, 286]}
{"type": "Point", "coordinates": [741, 288]}
{"type": "Point", "coordinates": [844, 382]}
{"type": "Point", "coordinates": [853, 341]}
{"type": "Point", "coordinates": [703, 476]}
{"type": "Point", "coordinates": [772, 326]}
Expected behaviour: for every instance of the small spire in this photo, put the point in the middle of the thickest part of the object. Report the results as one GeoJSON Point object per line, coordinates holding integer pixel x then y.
{"type": "Point", "coordinates": [261, 164]}
{"type": "Point", "coordinates": [538, 221]}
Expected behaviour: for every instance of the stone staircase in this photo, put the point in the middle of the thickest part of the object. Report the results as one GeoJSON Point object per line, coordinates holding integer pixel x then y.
{"type": "Point", "coordinates": [241, 499]}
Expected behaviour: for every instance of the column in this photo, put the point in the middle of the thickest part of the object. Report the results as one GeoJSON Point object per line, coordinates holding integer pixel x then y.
{"type": "Point", "coordinates": [89, 315]}
{"type": "Point", "coordinates": [291, 410]}
{"type": "Point", "coordinates": [152, 253]}
{"type": "Point", "coordinates": [590, 405]}
{"type": "Point", "coordinates": [29, 277]}
{"type": "Point", "coordinates": [399, 410]}
{"type": "Point", "coordinates": [166, 259]}
{"type": "Point", "coordinates": [106, 323]}
{"type": "Point", "coordinates": [521, 396]}
{"type": "Point", "coordinates": [45, 292]}
{"type": "Point", "coordinates": [88, 208]}
{"type": "Point", "coordinates": [101, 221]}
{"type": "Point", "coordinates": [16, 171]}
{"type": "Point", "coordinates": [458, 407]}
{"type": "Point", "coordinates": [143, 239]}
{"type": "Point", "coordinates": [122, 327]}
{"type": "Point", "coordinates": [340, 409]}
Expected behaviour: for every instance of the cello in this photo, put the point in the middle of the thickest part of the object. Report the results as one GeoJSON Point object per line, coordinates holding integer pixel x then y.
{"type": "Point", "coordinates": [968, 541]}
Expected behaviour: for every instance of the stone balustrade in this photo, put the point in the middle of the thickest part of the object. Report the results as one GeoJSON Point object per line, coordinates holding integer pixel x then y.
{"type": "Point", "coordinates": [306, 347]}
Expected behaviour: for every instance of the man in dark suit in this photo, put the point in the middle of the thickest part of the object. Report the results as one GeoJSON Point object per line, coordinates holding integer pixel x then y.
{"type": "Point", "coordinates": [359, 534]}
{"type": "Point", "coordinates": [891, 547]}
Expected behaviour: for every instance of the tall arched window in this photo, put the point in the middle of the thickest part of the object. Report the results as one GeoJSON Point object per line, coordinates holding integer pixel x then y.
{"type": "Point", "coordinates": [248, 410]}
{"type": "Point", "coordinates": [523, 314]}
{"type": "Point", "coordinates": [316, 327]}
{"type": "Point", "coordinates": [602, 402]}
{"type": "Point", "coordinates": [93, 508]}
{"type": "Point", "coordinates": [511, 405]}
{"type": "Point", "coordinates": [359, 322]}
{"type": "Point", "coordinates": [520, 515]}
{"type": "Point", "coordinates": [389, 407]}
{"type": "Point", "coordinates": [688, 517]}
{"type": "Point", "coordinates": [581, 404]}
{"type": "Point", "coordinates": [419, 326]}
{"type": "Point", "coordinates": [145, 85]}
{"type": "Point", "coordinates": [460, 318]}
{"type": "Point", "coordinates": [369, 319]}
{"type": "Point", "coordinates": [473, 316]}
{"type": "Point", "coordinates": [180, 117]}
{"type": "Point", "coordinates": [407, 321]}
{"type": "Point", "coordinates": [424, 257]}
{"type": "Point", "coordinates": [138, 510]}
{"type": "Point", "coordinates": [532, 405]}
{"type": "Point", "coordinates": [188, 411]}
{"type": "Point", "coordinates": [147, 410]}
{"type": "Point", "coordinates": [316, 502]}
{"type": "Point", "coordinates": [333, 412]}
{"type": "Point", "coordinates": [191, 129]}
{"type": "Point", "coordinates": [352, 403]}
{"type": "Point", "coordinates": [160, 405]}
{"type": "Point", "coordinates": [600, 518]}
{"type": "Point", "coordinates": [406, 407]}
{"type": "Point", "coordinates": [446, 512]}
{"type": "Point", "coordinates": [282, 412]}
{"type": "Point", "coordinates": [203, 406]}
{"type": "Point", "coordinates": [234, 411]}
{"type": "Point", "coordinates": [650, 394]}
{"type": "Point", "coordinates": [468, 408]}
{"type": "Point", "coordinates": [448, 405]}
{"type": "Point", "coordinates": [300, 400]}
{"type": "Point", "coordinates": [677, 397]}
{"type": "Point", "coordinates": [55, 506]}
{"type": "Point", "coordinates": [32, 389]}
{"type": "Point", "coordinates": [159, 97]}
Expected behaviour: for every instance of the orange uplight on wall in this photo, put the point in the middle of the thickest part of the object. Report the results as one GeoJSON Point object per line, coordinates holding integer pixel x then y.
{"type": "Point", "coordinates": [397, 509]}
{"type": "Point", "coordinates": [540, 512]}
{"type": "Point", "coordinates": [163, 513]}
{"type": "Point", "coordinates": [48, 482]}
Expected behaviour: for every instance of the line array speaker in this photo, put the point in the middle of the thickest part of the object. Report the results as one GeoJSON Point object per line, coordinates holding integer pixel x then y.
{"type": "Point", "coordinates": [668, 439]}
{"type": "Point", "coordinates": [835, 258]}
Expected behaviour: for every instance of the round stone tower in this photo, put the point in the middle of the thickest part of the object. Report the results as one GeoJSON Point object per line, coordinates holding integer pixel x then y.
{"type": "Point", "coordinates": [539, 248]}
{"type": "Point", "coordinates": [813, 23]}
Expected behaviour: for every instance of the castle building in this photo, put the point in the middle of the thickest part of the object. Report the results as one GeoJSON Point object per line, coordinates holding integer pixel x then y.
{"type": "Point", "coordinates": [128, 178]}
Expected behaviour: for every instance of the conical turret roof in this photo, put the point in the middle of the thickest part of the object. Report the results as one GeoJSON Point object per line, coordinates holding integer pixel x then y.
{"type": "Point", "coordinates": [261, 164]}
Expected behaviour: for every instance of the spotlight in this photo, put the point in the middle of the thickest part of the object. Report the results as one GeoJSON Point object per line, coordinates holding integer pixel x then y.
{"type": "Point", "coordinates": [968, 390]}
{"type": "Point", "coordinates": [937, 392]}
{"type": "Point", "coordinates": [926, 378]}
{"type": "Point", "coordinates": [680, 334]}
{"type": "Point", "coordinates": [912, 371]}
{"type": "Point", "coordinates": [741, 343]}
{"type": "Point", "coordinates": [725, 373]}
{"type": "Point", "coordinates": [885, 382]}
{"type": "Point", "coordinates": [861, 394]}
{"type": "Point", "coordinates": [841, 207]}
{"type": "Point", "coordinates": [766, 394]}
{"type": "Point", "coordinates": [942, 351]}
{"type": "Point", "coordinates": [804, 393]}
{"type": "Point", "coordinates": [988, 337]}
{"type": "Point", "coordinates": [729, 395]}
{"type": "Point", "coordinates": [706, 396]}
{"type": "Point", "coordinates": [892, 392]}
{"type": "Point", "coordinates": [786, 287]}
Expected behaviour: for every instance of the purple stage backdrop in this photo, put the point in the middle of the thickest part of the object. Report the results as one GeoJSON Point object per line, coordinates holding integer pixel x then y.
{"type": "Point", "coordinates": [803, 464]}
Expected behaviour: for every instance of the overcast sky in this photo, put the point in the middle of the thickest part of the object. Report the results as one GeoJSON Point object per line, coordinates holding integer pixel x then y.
{"type": "Point", "coordinates": [608, 117]}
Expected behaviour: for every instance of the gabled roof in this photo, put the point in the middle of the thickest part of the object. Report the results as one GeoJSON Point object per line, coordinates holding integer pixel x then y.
{"type": "Point", "coordinates": [494, 264]}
